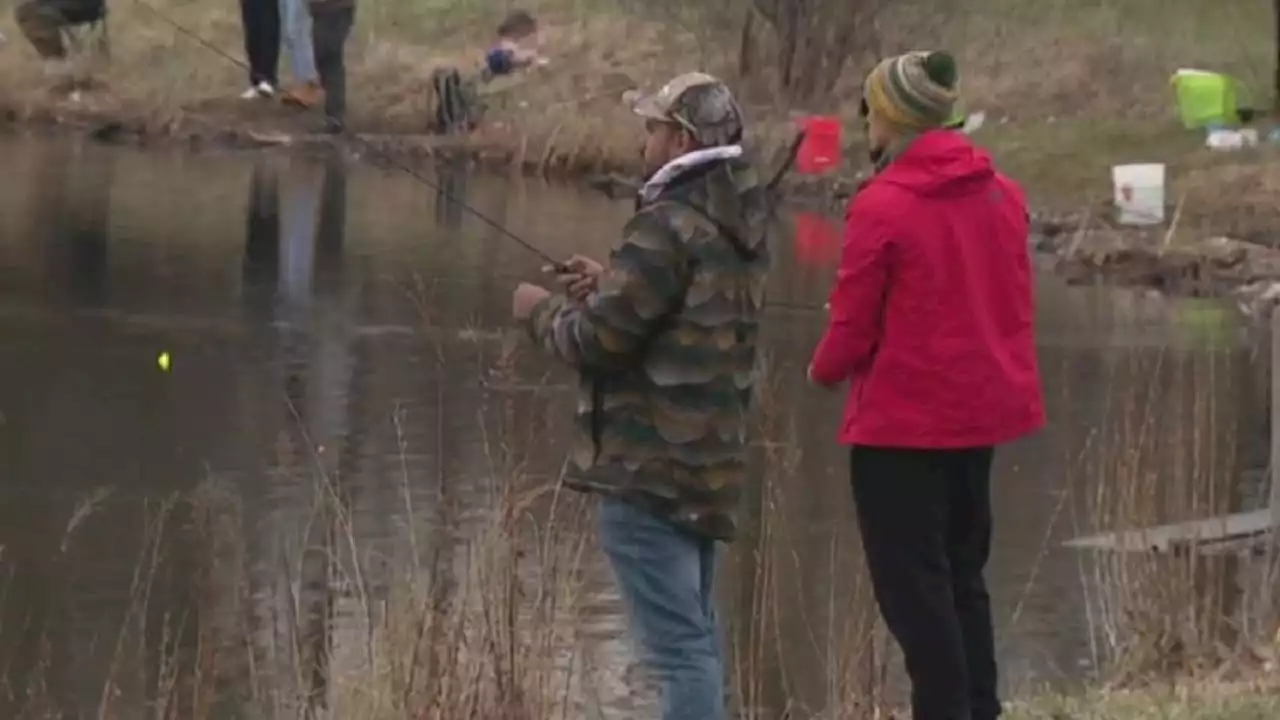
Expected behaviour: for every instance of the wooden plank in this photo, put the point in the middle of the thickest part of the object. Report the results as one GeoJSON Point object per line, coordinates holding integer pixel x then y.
{"type": "Point", "coordinates": [1255, 545]}
{"type": "Point", "coordinates": [1195, 533]}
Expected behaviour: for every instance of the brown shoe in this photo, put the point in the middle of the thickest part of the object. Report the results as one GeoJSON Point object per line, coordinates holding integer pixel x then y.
{"type": "Point", "coordinates": [306, 95]}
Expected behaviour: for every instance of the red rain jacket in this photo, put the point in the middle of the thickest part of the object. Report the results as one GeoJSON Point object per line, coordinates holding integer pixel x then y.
{"type": "Point", "coordinates": [932, 317]}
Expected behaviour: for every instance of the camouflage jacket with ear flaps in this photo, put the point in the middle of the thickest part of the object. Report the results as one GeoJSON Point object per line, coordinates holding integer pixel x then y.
{"type": "Point", "coordinates": [666, 350]}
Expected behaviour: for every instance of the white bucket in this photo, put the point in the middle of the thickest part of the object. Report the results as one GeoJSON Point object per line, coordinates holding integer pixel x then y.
{"type": "Point", "coordinates": [1139, 193]}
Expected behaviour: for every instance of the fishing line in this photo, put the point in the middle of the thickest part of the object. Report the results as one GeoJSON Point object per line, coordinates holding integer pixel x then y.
{"type": "Point", "coordinates": [559, 266]}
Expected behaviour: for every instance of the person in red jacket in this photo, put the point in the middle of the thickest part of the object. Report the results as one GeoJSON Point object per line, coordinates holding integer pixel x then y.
{"type": "Point", "coordinates": [931, 322]}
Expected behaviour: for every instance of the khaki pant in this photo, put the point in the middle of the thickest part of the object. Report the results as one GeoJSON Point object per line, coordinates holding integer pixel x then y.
{"type": "Point", "coordinates": [42, 22]}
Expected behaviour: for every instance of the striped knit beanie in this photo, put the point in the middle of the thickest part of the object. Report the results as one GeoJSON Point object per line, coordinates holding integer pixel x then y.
{"type": "Point", "coordinates": [917, 91]}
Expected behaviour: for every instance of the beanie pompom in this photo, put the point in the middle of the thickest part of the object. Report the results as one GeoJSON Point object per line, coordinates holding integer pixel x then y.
{"type": "Point", "coordinates": [941, 69]}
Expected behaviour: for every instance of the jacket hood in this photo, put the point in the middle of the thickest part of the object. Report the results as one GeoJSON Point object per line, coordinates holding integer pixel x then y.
{"type": "Point", "coordinates": [939, 163]}
{"type": "Point", "coordinates": [727, 190]}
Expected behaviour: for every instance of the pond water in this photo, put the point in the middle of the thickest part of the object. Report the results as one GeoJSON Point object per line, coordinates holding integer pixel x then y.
{"type": "Point", "coordinates": [334, 319]}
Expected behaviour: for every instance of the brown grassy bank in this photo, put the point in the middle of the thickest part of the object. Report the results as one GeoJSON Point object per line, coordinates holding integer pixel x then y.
{"type": "Point", "coordinates": [1069, 88]}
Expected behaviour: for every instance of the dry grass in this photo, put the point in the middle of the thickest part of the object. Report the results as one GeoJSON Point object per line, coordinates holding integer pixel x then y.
{"type": "Point", "coordinates": [167, 82]}
{"type": "Point", "coordinates": [1071, 87]}
{"type": "Point", "coordinates": [1179, 634]}
{"type": "Point", "coordinates": [1161, 457]}
{"type": "Point", "coordinates": [1194, 701]}
{"type": "Point", "coordinates": [478, 607]}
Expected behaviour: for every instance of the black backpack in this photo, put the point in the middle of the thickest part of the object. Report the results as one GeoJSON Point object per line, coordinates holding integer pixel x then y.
{"type": "Point", "coordinates": [457, 105]}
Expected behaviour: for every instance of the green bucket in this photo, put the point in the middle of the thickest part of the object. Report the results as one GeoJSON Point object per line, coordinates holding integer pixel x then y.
{"type": "Point", "coordinates": [1206, 98]}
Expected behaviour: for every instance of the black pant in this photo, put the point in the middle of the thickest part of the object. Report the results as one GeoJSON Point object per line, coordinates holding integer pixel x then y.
{"type": "Point", "coordinates": [330, 27]}
{"type": "Point", "coordinates": [925, 519]}
{"type": "Point", "coordinates": [261, 20]}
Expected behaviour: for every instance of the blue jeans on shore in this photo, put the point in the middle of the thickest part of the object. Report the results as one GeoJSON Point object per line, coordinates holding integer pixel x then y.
{"type": "Point", "coordinates": [295, 26]}
{"type": "Point", "coordinates": [666, 576]}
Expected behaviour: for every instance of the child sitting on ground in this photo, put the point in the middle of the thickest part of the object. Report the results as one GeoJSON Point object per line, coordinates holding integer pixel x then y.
{"type": "Point", "coordinates": [456, 99]}
{"type": "Point", "coordinates": [516, 46]}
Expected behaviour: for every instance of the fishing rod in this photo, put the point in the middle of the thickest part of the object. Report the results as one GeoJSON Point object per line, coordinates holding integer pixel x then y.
{"type": "Point", "coordinates": [557, 265]}
{"type": "Point", "coordinates": [342, 130]}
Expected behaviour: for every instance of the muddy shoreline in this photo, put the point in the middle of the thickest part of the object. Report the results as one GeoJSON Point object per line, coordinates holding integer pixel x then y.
{"type": "Point", "coordinates": [1084, 247]}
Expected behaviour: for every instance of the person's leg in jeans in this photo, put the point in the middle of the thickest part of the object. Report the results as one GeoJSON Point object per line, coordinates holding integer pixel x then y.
{"type": "Point", "coordinates": [666, 578]}
{"type": "Point", "coordinates": [902, 504]}
{"type": "Point", "coordinates": [295, 29]}
{"type": "Point", "coordinates": [968, 548]}
{"type": "Point", "coordinates": [330, 27]}
{"type": "Point", "coordinates": [261, 19]}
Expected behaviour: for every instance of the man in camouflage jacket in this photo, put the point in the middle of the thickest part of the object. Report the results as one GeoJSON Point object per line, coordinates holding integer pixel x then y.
{"type": "Point", "coordinates": [665, 343]}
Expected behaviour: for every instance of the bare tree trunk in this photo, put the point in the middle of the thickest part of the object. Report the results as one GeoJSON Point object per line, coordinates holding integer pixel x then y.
{"type": "Point", "coordinates": [747, 45]}
{"type": "Point", "coordinates": [815, 40]}
{"type": "Point", "coordinates": [788, 29]}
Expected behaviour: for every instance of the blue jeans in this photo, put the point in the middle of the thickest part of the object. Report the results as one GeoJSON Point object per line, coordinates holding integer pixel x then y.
{"type": "Point", "coordinates": [666, 576]}
{"type": "Point", "coordinates": [299, 214]}
{"type": "Point", "coordinates": [295, 22]}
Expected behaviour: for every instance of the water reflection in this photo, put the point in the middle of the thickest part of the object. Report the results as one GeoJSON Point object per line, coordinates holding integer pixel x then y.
{"type": "Point", "coordinates": [817, 241]}
{"type": "Point", "coordinates": [64, 236]}
{"type": "Point", "coordinates": [261, 261]}
{"type": "Point", "coordinates": [294, 255]}
{"type": "Point", "coordinates": [323, 349]}
{"type": "Point", "coordinates": [70, 217]}
{"type": "Point", "coordinates": [451, 192]}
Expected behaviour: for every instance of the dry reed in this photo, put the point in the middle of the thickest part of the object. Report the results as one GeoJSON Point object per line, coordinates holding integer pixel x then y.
{"type": "Point", "coordinates": [476, 608]}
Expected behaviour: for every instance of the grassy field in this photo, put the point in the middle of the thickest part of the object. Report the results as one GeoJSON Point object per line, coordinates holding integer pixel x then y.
{"type": "Point", "coordinates": [1070, 86]}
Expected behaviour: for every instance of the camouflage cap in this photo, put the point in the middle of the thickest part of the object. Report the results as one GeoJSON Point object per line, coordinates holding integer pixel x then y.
{"type": "Point", "coordinates": [699, 103]}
